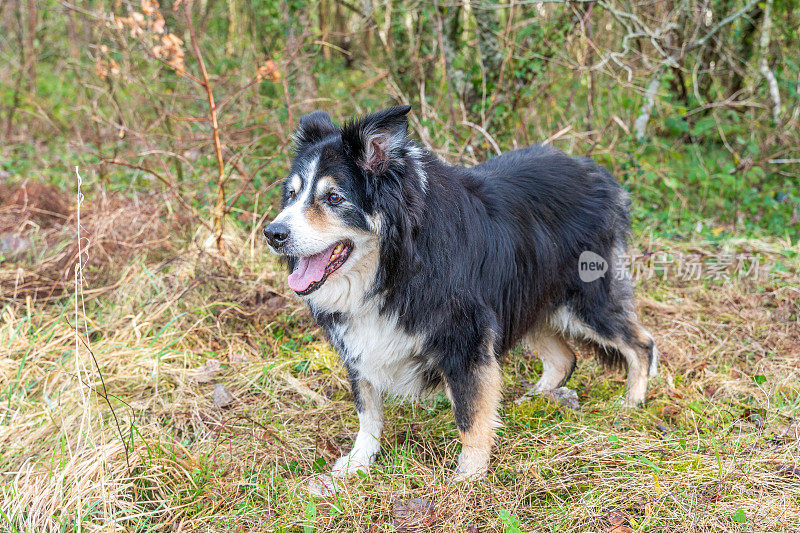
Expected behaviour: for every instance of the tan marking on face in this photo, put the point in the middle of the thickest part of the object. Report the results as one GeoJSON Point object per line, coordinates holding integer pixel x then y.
{"type": "Point", "coordinates": [320, 219]}
{"type": "Point", "coordinates": [318, 215]}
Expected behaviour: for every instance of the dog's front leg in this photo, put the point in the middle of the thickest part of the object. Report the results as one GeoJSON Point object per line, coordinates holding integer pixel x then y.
{"type": "Point", "coordinates": [475, 393]}
{"type": "Point", "coordinates": [369, 405]}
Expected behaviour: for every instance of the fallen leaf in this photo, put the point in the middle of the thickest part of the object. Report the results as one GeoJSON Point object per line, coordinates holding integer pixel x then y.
{"type": "Point", "coordinates": [566, 397]}
{"type": "Point", "coordinates": [323, 486]}
{"type": "Point", "coordinates": [412, 513]}
{"type": "Point", "coordinates": [663, 429]}
{"type": "Point", "coordinates": [11, 243]}
{"type": "Point", "coordinates": [562, 395]}
{"type": "Point", "coordinates": [222, 397]}
{"type": "Point", "coordinates": [618, 522]}
{"type": "Point", "coordinates": [275, 304]}
{"type": "Point", "coordinates": [616, 517]}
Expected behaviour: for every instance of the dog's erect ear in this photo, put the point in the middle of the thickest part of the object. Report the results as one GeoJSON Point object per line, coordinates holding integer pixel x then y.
{"type": "Point", "coordinates": [314, 127]}
{"type": "Point", "coordinates": [378, 139]}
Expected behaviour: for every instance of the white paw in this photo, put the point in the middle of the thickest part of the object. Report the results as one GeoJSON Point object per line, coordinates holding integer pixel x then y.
{"type": "Point", "coordinates": [322, 486]}
{"type": "Point", "coordinates": [459, 477]}
{"type": "Point", "coordinates": [350, 464]}
{"type": "Point", "coordinates": [471, 466]}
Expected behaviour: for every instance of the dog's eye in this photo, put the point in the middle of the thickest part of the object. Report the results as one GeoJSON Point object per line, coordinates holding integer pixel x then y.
{"type": "Point", "coordinates": [335, 198]}
{"type": "Point", "coordinates": [291, 193]}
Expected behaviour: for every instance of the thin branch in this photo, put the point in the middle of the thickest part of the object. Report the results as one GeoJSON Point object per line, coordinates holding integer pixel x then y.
{"type": "Point", "coordinates": [219, 208]}
{"type": "Point", "coordinates": [235, 93]}
{"type": "Point", "coordinates": [485, 134]}
{"type": "Point", "coordinates": [249, 177]}
{"type": "Point", "coordinates": [187, 119]}
{"type": "Point", "coordinates": [445, 65]}
{"type": "Point", "coordinates": [163, 180]}
{"type": "Point", "coordinates": [721, 23]}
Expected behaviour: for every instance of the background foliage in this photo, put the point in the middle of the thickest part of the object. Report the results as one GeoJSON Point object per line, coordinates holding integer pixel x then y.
{"type": "Point", "coordinates": [97, 82]}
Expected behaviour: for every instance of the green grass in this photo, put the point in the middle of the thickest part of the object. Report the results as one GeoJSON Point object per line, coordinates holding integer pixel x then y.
{"type": "Point", "coordinates": [704, 454]}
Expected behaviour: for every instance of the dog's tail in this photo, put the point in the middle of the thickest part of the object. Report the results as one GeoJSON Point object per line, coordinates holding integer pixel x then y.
{"type": "Point", "coordinates": [609, 356]}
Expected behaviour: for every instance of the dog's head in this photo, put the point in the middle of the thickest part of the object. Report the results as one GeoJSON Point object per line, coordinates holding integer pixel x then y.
{"type": "Point", "coordinates": [334, 201]}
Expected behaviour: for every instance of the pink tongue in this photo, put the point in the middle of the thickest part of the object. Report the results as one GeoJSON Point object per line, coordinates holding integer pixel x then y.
{"type": "Point", "coordinates": [309, 270]}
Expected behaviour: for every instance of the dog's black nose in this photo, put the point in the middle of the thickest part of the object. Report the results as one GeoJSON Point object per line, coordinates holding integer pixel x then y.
{"type": "Point", "coordinates": [276, 234]}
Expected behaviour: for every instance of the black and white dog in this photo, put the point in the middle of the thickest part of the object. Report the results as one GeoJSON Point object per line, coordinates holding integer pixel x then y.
{"type": "Point", "coordinates": [424, 274]}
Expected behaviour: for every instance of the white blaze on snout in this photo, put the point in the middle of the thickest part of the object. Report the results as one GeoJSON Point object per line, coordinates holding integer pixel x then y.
{"type": "Point", "coordinates": [303, 238]}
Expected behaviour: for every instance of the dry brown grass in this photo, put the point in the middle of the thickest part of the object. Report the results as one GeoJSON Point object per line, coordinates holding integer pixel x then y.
{"type": "Point", "coordinates": [115, 229]}
{"type": "Point", "coordinates": [110, 423]}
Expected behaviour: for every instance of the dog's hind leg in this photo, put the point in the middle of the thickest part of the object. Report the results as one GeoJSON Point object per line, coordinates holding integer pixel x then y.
{"type": "Point", "coordinates": [637, 348]}
{"type": "Point", "coordinates": [558, 359]}
{"type": "Point", "coordinates": [603, 313]}
{"type": "Point", "coordinates": [619, 340]}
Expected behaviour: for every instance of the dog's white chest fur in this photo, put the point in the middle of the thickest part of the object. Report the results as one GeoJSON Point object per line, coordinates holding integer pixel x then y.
{"type": "Point", "coordinates": [381, 351]}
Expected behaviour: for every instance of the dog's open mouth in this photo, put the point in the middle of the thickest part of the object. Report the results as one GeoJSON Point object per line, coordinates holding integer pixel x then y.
{"type": "Point", "coordinates": [312, 271]}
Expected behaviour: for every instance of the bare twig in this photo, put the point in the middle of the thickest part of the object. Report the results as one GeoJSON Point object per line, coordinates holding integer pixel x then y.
{"type": "Point", "coordinates": [79, 305]}
{"type": "Point", "coordinates": [727, 20]}
{"type": "Point", "coordinates": [219, 206]}
{"type": "Point", "coordinates": [163, 180]}
{"type": "Point", "coordinates": [249, 176]}
{"type": "Point", "coordinates": [485, 134]}
{"type": "Point", "coordinates": [445, 63]}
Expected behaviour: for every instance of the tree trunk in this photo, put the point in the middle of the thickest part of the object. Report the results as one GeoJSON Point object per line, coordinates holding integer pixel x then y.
{"type": "Point", "coordinates": [763, 62]}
